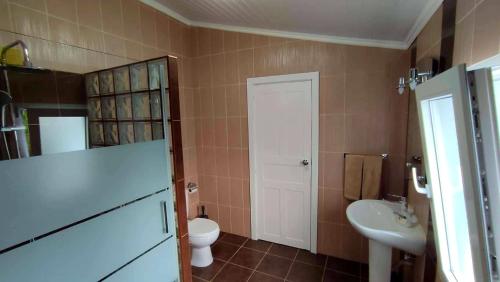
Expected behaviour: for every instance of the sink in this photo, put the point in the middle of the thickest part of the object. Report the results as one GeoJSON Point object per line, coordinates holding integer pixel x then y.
{"type": "Point", "coordinates": [377, 220]}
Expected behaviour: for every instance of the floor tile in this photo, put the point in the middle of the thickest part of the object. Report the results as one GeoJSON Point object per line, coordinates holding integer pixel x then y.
{"type": "Point", "coordinates": [247, 258]}
{"type": "Point", "coordinates": [208, 272]}
{"type": "Point", "coordinates": [283, 251]}
{"type": "Point", "coordinates": [342, 265]}
{"type": "Point", "coordinates": [233, 273]}
{"type": "Point", "coordinates": [258, 245]}
{"type": "Point", "coordinates": [224, 251]}
{"type": "Point", "coordinates": [233, 239]}
{"type": "Point", "coordinates": [275, 266]}
{"type": "Point", "coordinates": [310, 258]}
{"type": "Point", "coordinates": [302, 272]}
{"type": "Point", "coordinates": [261, 277]}
{"type": "Point", "coordinates": [196, 279]}
{"type": "Point", "coordinates": [334, 276]}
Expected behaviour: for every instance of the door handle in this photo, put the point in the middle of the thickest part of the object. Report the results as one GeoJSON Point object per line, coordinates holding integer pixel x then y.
{"type": "Point", "coordinates": [422, 189]}
{"type": "Point", "coordinates": [305, 162]}
{"type": "Point", "coordinates": [164, 216]}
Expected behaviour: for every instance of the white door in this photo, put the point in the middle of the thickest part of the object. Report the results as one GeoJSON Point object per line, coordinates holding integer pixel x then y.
{"type": "Point", "coordinates": [454, 153]}
{"type": "Point", "coordinates": [282, 161]}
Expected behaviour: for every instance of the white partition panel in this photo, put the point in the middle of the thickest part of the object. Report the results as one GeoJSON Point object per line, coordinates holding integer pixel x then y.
{"type": "Point", "coordinates": [41, 194]}
{"type": "Point", "coordinates": [151, 266]}
{"type": "Point", "coordinates": [91, 250]}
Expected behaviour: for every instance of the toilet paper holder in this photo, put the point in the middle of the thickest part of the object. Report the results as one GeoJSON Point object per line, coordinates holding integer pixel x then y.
{"type": "Point", "coordinates": [192, 187]}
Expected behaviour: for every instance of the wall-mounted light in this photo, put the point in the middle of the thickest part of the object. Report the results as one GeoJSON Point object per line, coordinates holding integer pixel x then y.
{"type": "Point", "coordinates": [414, 78]}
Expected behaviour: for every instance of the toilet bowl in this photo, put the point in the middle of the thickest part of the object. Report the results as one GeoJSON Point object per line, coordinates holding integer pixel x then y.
{"type": "Point", "coordinates": [202, 232]}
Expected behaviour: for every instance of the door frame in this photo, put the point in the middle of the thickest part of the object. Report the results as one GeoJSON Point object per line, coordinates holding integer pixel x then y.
{"type": "Point", "coordinates": [251, 91]}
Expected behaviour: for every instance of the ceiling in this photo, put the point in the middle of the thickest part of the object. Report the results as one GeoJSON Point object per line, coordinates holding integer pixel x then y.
{"type": "Point", "coordinates": [382, 23]}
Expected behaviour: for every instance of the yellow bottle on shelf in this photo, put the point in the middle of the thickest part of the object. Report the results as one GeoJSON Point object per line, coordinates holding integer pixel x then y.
{"type": "Point", "coordinates": [14, 56]}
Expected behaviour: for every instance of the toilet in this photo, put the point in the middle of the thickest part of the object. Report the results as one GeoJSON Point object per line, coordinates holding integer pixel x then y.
{"type": "Point", "coordinates": [202, 232]}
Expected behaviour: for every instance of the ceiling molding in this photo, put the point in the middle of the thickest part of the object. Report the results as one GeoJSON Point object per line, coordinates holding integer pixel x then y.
{"type": "Point", "coordinates": [308, 36]}
{"type": "Point", "coordinates": [422, 20]}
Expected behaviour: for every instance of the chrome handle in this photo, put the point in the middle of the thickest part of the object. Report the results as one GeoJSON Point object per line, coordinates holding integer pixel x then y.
{"type": "Point", "coordinates": [305, 162]}
{"type": "Point", "coordinates": [422, 189]}
{"type": "Point", "coordinates": [164, 216]}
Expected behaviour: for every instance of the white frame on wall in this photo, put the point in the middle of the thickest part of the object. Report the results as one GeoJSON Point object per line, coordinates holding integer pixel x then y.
{"type": "Point", "coordinates": [251, 84]}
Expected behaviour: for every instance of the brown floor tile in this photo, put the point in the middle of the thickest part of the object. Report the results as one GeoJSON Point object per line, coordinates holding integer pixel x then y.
{"type": "Point", "coordinates": [208, 272]}
{"type": "Point", "coordinates": [224, 251]}
{"type": "Point", "coordinates": [247, 258]}
{"type": "Point", "coordinates": [258, 245]}
{"type": "Point", "coordinates": [261, 277]}
{"type": "Point", "coordinates": [342, 265]}
{"type": "Point", "coordinates": [334, 276]}
{"type": "Point", "coordinates": [283, 251]}
{"type": "Point", "coordinates": [302, 272]}
{"type": "Point", "coordinates": [275, 266]}
{"type": "Point", "coordinates": [196, 279]}
{"type": "Point", "coordinates": [310, 258]}
{"type": "Point", "coordinates": [233, 239]}
{"type": "Point", "coordinates": [233, 273]}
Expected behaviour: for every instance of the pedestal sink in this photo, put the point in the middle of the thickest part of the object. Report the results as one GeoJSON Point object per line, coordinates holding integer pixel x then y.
{"type": "Point", "coordinates": [377, 220]}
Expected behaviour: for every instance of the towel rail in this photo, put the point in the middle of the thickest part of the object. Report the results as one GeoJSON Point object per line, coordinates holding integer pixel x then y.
{"type": "Point", "coordinates": [384, 156]}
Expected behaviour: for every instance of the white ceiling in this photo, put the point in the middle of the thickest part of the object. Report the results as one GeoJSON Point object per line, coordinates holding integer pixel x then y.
{"type": "Point", "coordinates": [383, 23]}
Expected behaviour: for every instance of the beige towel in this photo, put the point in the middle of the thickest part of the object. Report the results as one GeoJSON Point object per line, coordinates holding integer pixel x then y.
{"type": "Point", "coordinates": [372, 173]}
{"type": "Point", "coordinates": [353, 173]}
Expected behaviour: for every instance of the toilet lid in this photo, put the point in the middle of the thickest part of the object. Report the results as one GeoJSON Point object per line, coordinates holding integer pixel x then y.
{"type": "Point", "coordinates": [202, 227]}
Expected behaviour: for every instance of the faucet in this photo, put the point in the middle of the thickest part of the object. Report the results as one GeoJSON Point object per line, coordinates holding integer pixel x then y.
{"type": "Point", "coordinates": [403, 208]}
{"type": "Point", "coordinates": [3, 56]}
{"type": "Point", "coordinates": [405, 213]}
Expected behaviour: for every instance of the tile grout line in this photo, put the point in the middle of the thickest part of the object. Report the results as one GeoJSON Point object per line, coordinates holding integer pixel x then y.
{"type": "Point", "coordinates": [227, 262]}
{"type": "Point", "coordinates": [291, 265]}
{"type": "Point", "coordinates": [260, 261]}
{"type": "Point", "coordinates": [324, 269]}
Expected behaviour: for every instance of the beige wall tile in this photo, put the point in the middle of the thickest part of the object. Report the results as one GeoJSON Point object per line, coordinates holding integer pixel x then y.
{"type": "Point", "coordinates": [29, 22]}
{"type": "Point", "coordinates": [216, 41]}
{"type": "Point", "coordinates": [225, 218]}
{"type": "Point", "coordinates": [223, 191]}
{"type": "Point", "coordinates": [133, 50]}
{"type": "Point", "coordinates": [32, 4]}
{"type": "Point", "coordinates": [5, 22]}
{"type": "Point", "coordinates": [217, 69]}
{"type": "Point", "coordinates": [332, 133]}
{"type": "Point", "coordinates": [148, 25]}
{"type": "Point", "coordinates": [231, 64]}
{"type": "Point", "coordinates": [163, 31]}
{"type": "Point", "coordinates": [234, 132]}
{"type": "Point", "coordinates": [236, 190]}
{"type": "Point", "coordinates": [237, 221]}
{"type": "Point", "coordinates": [114, 45]}
{"type": "Point", "coordinates": [230, 41]}
{"type": "Point", "coordinates": [486, 30]}
{"type": "Point", "coordinates": [463, 8]}
{"type": "Point", "coordinates": [245, 65]}
{"type": "Point", "coordinates": [232, 101]}
{"type": "Point", "coordinates": [235, 163]}
{"type": "Point", "coordinates": [89, 13]}
{"type": "Point", "coordinates": [132, 20]}
{"type": "Point", "coordinates": [245, 40]}
{"type": "Point", "coordinates": [65, 9]}
{"type": "Point", "coordinates": [221, 135]}
{"type": "Point", "coordinates": [63, 31]}
{"type": "Point", "coordinates": [112, 16]}
{"type": "Point", "coordinates": [430, 35]}
{"type": "Point", "coordinates": [332, 94]}
{"type": "Point", "coordinates": [91, 39]}
{"type": "Point", "coordinates": [464, 32]}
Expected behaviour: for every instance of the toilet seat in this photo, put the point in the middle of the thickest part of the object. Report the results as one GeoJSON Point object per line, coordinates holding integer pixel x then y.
{"type": "Point", "coordinates": [201, 227]}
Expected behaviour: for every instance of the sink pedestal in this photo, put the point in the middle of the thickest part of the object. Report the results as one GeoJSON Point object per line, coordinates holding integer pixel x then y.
{"type": "Point", "coordinates": [380, 259]}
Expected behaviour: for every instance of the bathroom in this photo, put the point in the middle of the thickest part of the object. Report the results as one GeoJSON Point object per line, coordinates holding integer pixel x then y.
{"type": "Point", "coordinates": [208, 60]}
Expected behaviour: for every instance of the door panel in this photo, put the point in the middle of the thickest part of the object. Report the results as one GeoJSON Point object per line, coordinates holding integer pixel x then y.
{"type": "Point", "coordinates": [445, 116]}
{"type": "Point", "coordinates": [282, 140]}
{"type": "Point", "coordinates": [43, 193]}
{"type": "Point", "coordinates": [100, 245]}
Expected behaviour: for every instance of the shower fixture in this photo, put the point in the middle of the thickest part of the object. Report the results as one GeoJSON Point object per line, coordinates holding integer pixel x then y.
{"type": "Point", "coordinates": [414, 78]}
{"type": "Point", "coordinates": [26, 56]}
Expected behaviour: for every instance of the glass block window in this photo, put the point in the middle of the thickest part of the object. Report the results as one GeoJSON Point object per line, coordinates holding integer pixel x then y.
{"type": "Point", "coordinates": [125, 103]}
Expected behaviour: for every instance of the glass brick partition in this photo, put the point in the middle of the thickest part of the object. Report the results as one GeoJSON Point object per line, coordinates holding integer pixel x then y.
{"type": "Point", "coordinates": [125, 103]}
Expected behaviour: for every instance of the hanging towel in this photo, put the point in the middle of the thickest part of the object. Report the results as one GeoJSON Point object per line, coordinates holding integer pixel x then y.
{"type": "Point", "coordinates": [353, 173]}
{"type": "Point", "coordinates": [372, 173]}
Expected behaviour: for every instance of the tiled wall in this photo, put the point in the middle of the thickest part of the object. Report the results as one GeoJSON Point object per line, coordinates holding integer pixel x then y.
{"type": "Point", "coordinates": [360, 112]}
{"type": "Point", "coordinates": [477, 30]}
{"type": "Point", "coordinates": [86, 35]}
{"type": "Point", "coordinates": [82, 36]}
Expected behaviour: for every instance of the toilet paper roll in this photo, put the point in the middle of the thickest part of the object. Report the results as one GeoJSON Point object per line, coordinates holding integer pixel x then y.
{"type": "Point", "coordinates": [192, 203]}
